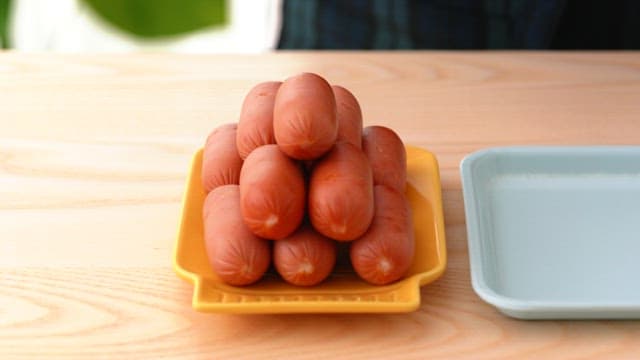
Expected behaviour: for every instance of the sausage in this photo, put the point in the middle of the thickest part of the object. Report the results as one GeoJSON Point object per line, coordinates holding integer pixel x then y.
{"type": "Point", "coordinates": [341, 193]}
{"type": "Point", "coordinates": [255, 127]}
{"type": "Point", "coordinates": [349, 116]}
{"type": "Point", "coordinates": [304, 258]}
{"type": "Point", "coordinates": [304, 117]}
{"type": "Point", "coordinates": [387, 156]}
{"type": "Point", "coordinates": [220, 160]}
{"type": "Point", "coordinates": [385, 252]}
{"type": "Point", "coordinates": [272, 193]}
{"type": "Point", "coordinates": [236, 255]}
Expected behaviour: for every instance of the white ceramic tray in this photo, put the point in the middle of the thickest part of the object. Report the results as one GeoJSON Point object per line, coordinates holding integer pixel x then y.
{"type": "Point", "coordinates": [554, 232]}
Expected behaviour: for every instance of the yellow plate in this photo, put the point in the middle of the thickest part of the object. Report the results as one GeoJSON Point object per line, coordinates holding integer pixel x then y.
{"type": "Point", "coordinates": [342, 292]}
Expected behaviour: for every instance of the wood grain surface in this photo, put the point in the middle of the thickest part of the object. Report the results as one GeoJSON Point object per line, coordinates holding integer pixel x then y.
{"type": "Point", "coordinates": [94, 152]}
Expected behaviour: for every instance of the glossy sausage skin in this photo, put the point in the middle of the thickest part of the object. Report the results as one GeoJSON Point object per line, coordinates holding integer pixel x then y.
{"type": "Point", "coordinates": [341, 193]}
{"type": "Point", "coordinates": [255, 127]}
{"type": "Point", "coordinates": [236, 255]}
{"type": "Point", "coordinates": [272, 193]}
{"type": "Point", "coordinates": [221, 163]}
{"type": "Point", "coordinates": [387, 156]}
{"type": "Point", "coordinates": [305, 258]}
{"type": "Point", "coordinates": [349, 116]}
{"type": "Point", "coordinates": [304, 117]}
{"type": "Point", "coordinates": [385, 252]}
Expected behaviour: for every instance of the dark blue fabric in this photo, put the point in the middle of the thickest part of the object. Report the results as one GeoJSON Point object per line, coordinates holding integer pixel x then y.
{"type": "Point", "coordinates": [450, 24]}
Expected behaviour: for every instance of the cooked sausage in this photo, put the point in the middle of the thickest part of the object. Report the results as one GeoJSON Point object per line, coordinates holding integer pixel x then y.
{"type": "Point", "coordinates": [272, 193]}
{"type": "Point", "coordinates": [220, 160]}
{"type": "Point", "coordinates": [387, 156]}
{"type": "Point", "coordinates": [304, 117]}
{"type": "Point", "coordinates": [341, 193]}
{"type": "Point", "coordinates": [255, 127]}
{"type": "Point", "coordinates": [236, 255]}
{"type": "Point", "coordinates": [349, 116]}
{"type": "Point", "coordinates": [385, 252]}
{"type": "Point", "coordinates": [304, 258]}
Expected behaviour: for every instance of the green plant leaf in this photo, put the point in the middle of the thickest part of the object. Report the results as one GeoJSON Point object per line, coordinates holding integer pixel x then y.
{"type": "Point", "coordinates": [4, 23]}
{"type": "Point", "coordinates": [160, 18]}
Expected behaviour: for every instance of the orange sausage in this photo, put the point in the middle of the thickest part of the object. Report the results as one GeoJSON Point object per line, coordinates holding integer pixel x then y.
{"type": "Point", "coordinates": [255, 127]}
{"type": "Point", "coordinates": [272, 193]}
{"type": "Point", "coordinates": [305, 258]}
{"type": "Point", "coordinates": [236, 255]}
{"type": "Point", "coordinates": [341, 193]}
{"type": "Point", "coordinates": [304, 117]}
{"type": "Point", "coordinates": [385, 252]}
{"type": "Point", "coordinates": [387, 156]}
{"type": "Point", "coordinates": [220, 161]}
{"type": "Point", "coordinates": [349, 116]}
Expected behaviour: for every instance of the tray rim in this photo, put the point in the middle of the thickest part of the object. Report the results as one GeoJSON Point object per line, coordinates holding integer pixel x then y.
{"type": "Point", "coordinates": [412, 283]}
{"type": "Point", "coordinates": [533, 309]}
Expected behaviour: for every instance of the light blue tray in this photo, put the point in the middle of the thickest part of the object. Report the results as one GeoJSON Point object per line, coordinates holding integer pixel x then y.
{"type": "Point", "coordinates": [554, 232]}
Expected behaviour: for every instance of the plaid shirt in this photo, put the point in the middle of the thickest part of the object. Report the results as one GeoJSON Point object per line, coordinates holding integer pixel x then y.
{"type": "Point", "coordinates": [451, 24]}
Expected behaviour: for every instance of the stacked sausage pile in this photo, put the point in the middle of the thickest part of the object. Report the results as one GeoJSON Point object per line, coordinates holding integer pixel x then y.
{"type": "Point", "coordinates": [297, 174]}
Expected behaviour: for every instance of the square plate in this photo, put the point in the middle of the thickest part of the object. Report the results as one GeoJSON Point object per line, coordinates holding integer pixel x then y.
{"type": "Point", "coordinates": [342, 292]}
{"type": "Point", "coordinates": [554, 232]}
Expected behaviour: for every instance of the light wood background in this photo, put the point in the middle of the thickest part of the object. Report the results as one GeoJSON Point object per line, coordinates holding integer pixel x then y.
{"type": "Point", "coordinates": [93, 156]}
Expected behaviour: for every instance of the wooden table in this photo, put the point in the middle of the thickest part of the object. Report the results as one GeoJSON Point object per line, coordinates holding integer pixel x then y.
{"type": "Point", "coordinates": [94, 152]}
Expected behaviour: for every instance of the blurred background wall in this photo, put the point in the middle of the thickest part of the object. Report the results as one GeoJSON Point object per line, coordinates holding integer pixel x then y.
{"type": "Point", "coordinates": [192, 26]}
{"type": "Point", "coordinates": [247, 26]}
